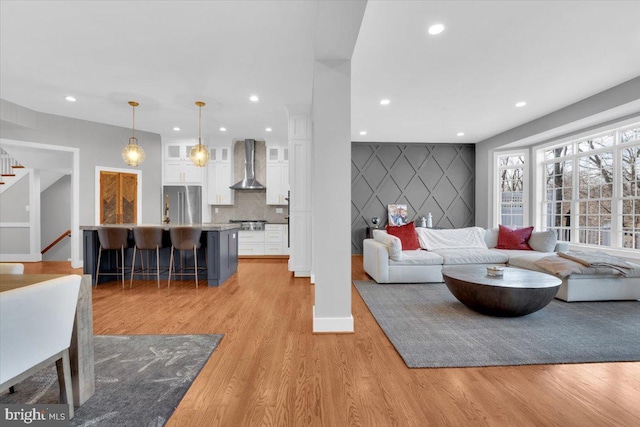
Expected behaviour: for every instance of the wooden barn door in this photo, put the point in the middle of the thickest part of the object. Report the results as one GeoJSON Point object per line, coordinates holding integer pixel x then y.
{"type": "Point", "coordinates": [118, 198]}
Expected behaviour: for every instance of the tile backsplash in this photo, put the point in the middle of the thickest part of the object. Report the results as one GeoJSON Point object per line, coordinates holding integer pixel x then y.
{"type": "Point", "coordinates": [248, 204]}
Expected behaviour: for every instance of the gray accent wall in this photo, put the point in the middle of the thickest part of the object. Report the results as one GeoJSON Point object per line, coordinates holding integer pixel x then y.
{"type": "Point", "coordinates": [428, 178]}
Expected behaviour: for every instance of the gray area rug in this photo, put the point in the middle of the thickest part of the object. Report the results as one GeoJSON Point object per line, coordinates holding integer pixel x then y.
{"type": "Point", "coordinates": [140, 379]}
{"type": "Point", "coordinates": [430, 328]}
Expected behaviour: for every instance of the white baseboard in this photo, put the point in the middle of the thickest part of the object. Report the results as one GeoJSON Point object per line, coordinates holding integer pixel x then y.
{"type": "Point", "coordinates": [20, 257]}
{"type": "Point", "coordinates": [332, 324]}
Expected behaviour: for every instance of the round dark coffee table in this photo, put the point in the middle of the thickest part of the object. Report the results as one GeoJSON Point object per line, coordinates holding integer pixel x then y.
{"type": "Point", "coordinates": [516, 293]}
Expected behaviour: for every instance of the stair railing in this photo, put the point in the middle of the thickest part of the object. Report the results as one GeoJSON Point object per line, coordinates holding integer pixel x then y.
{"type": "Point", "coordinates": [55, 242]}
{"type": "Point", "coordinates": [7, 163]}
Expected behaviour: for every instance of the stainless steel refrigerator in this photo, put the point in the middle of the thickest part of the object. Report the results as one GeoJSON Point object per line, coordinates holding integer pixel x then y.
{"type": "Point", "coordinates": [185, 203]}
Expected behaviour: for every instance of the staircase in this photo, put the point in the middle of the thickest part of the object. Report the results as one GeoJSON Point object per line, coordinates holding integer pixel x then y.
{"type": "Point", "coordinates": [27, 169]}
{"type": "Point", "coordinates": [10, 170]}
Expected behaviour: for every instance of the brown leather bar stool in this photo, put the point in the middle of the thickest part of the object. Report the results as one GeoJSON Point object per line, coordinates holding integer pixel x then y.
{"type": "Point", "coordinates": [113, 238]}
{"type": "Point", "coordinates": [146, 239]}
{"type": "Point", "coordinates": [185, 239]}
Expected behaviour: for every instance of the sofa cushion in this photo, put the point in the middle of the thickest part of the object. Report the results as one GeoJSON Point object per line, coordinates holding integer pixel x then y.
{"type": "Point", "coordinates": [511, 253]}
{"type": "Point", "coordinates": [513, 239]}
{"type": "Point", "coordinates": [526, 259]}
{"type": "Point", "coordinates": [393, 244]}
{"type": "Point", "coordinates": [462, 238]}
{"type": "Point", "coordinates": [543, 241]}
{"type": "Point", "coordinates": [471, 256]}
{"type": "Point", "coordinates": [418, 258]}
{"type": "Point", "coordinates": [407, 235]}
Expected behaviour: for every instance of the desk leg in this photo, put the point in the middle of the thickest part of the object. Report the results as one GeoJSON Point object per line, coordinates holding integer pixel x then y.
{"type": "Point", "coordinates": [81, 350]}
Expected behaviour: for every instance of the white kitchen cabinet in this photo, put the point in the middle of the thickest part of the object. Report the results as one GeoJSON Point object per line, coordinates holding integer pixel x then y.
{"type": "Point", "coordinates": [270, 241]}
{"type": "Point", "coordinates": [299, 127]}
{"type": "Point", "coordinates": [178, 168]}
{"type": "Point", "coordinates": [178, 172]}
{"type": "Point", "coordinates": [220, 154]}
{"type": "Point", "coordinates": [220, 176]}
{"type": "Point", "coordinates": [178, 151]}
{"type": "Point", "coordinates": [278, 154]}
{"type": "Point", "coordinates": [275, 239]}
{"type": "Point", "coordinates": [250, 242]}
{"type": "Point", "coordinates": [277, 175]}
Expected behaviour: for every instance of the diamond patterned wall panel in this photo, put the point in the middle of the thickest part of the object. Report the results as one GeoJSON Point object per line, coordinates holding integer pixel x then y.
{"type": "Point", "coordinates": [436, 178]}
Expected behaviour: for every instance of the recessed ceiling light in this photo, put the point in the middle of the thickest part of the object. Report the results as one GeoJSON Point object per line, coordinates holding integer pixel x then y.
{"type": "Point", "coordinates": [520, 104]}
{"type": "Point", "coordinates": [177, 129]}
{"type": "Point", "coordinates": [385, 101]}
{"type": "Point", "coordinates": [363, 132]}
{"type": "Point", "coordinates": [436, 29]}
{"type": "Point", "coordinates": [223, 129]}
{"type": "Point", "coordinates": [460, 134]}
{"type": "Point", "coordinates": [254, 98]}
{"type": "Point", "coordinates": [70, 98]}
{"type": "Point", "coordinates": [268, 129]}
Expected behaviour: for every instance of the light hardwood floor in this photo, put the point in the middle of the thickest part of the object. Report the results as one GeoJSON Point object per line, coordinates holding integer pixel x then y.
{"type": "Point", "coordinates": [271, 370]}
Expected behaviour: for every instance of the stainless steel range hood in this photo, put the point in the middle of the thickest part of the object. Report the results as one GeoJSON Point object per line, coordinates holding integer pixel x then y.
{"type": "Point", "coordinates": [249, 182]}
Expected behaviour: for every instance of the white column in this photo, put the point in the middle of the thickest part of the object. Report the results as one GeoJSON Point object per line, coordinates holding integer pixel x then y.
{"type": "Point", "coordinates": [331, 178]}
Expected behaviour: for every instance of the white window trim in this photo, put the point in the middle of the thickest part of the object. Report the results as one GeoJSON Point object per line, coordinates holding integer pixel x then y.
{"type": "Point", "coordinates": [495, 205]}
{"type": "Point", "coordinates": [538, 189]}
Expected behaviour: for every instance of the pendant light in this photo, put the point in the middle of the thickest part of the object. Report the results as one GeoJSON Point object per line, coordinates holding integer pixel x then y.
{"type": "Point", "coordinates": [132, 153]}
{"type": "Point", "coordinates": [199, 154]}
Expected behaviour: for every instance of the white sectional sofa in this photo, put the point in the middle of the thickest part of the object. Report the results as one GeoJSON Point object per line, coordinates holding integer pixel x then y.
{"type": "Point", "coordinates": [386, 262]}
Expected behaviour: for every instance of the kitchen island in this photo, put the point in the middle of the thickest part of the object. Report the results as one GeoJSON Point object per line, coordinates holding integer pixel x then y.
{"type": "Point", "coordinates": [218, 251]}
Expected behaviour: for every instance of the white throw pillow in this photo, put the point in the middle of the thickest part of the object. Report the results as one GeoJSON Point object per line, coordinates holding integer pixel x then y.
{"type": "Point", "coordinates": [393, 243]}
{"type": "Point", "coordinates": [543, 241]}
{"type": "Point", "coordinates": [491, 237]}
{"type": "Point", "coordinates": [457, 238]}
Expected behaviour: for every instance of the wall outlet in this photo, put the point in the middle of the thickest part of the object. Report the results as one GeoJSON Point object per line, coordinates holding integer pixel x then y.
{"type": "Point", "coordinates": [278, 210]}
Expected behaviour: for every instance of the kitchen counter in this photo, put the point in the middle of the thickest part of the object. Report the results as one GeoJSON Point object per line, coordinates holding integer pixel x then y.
{"type": "Point", "coordinates": [218, 251]}
{"type": "Point", "coordinates": [205, 227]}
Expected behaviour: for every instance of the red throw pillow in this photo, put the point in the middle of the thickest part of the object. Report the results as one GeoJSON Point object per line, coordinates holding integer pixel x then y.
{"type": "Point", "coordinates": [514, 239]}
{"type": "Point", "coordinates": [407, 235]}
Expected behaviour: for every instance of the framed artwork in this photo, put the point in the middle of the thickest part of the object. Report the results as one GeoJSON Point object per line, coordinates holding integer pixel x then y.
{"type": "Point", "coordinates": [397, 215]}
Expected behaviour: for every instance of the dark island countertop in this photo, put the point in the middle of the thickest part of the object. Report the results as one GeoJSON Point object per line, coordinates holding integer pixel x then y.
{"type": "Point", "coordinates": [205, 227]}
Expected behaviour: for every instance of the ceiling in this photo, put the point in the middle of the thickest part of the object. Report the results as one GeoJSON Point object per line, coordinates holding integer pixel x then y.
{"type": "Point", "coordinates": [167, 55]}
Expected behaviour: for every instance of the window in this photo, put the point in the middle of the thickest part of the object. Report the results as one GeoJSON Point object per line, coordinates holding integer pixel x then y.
{"type": "Point", "coordinates": [591, 189]}
{"type": "Point", "coordinates": [511, 189]}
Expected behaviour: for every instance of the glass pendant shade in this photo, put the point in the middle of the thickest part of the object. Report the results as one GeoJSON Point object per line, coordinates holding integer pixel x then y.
{"type": "Point", "coordinates": [132, 153]}
{"type": "Point", "coordinates": [199, 154]}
